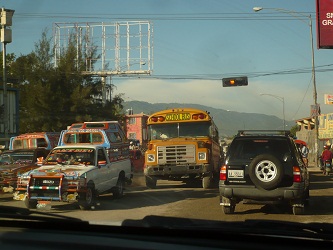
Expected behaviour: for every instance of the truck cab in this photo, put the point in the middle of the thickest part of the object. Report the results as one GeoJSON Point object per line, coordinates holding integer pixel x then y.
{"type": "Point", "coordinates": [47, 140]}
{"type": "Point", "coordinates": [108, 134]}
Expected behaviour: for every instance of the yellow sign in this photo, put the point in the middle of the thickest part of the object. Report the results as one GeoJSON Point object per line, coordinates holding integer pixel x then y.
{"type": "Point", "coordinates": [178, 117]}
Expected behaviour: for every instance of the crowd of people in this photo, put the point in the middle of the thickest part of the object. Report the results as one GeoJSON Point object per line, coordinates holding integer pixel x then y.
{"type": "Point", "coordinates": [325, 157]}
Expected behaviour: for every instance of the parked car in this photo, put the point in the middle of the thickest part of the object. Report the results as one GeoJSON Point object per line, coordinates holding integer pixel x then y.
{"type": "Point", "coordinates": [16, 162]}
{"type": "Point", "coordinates": [265, 166]}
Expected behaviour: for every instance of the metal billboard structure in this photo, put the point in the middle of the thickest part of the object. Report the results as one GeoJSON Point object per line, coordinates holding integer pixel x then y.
{"type": "Point", "coordinates": [110, 49]}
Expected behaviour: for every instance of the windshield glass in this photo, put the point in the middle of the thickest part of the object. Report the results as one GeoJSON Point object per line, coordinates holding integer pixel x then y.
{"type": "Point", "coordinates": [183, 129]}
{"type": "Point", "coordinates": [248, 149]}
{"type": "Point", "coordinates": [71, 156]}
{"type": "Point", "coordinates": [29, 143]}
{"type": "Point", "coordinates": [71, 137]}
{"type": "Point", "coordinates": [149, 96]}
{"type": "Point", "coordinates": [16, 158]}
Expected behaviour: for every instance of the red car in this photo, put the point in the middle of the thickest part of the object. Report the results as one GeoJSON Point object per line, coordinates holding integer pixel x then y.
{"type": "Point", "coordinates": [16, 162]}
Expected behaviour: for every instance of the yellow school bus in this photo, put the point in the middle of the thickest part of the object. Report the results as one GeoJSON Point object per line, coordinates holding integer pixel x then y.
{"type": "Point", "coordinates": [183, 144]}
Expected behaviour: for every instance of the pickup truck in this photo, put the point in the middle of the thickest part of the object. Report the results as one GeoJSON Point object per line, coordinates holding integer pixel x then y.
{"type": "Point", "coordinates": [15, 162]}
{"type": "Point", "coordinates": [76, 173]}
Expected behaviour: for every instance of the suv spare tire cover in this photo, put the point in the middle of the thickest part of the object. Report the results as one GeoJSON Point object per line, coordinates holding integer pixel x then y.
{"type": "Point", "coordinates": [266, 171]}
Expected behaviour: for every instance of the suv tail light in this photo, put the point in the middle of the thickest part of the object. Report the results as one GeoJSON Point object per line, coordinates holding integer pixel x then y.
{"type": "Point", "coordinates": [297, 174]}
{"type": "Point", "coordinates": [223, 173]}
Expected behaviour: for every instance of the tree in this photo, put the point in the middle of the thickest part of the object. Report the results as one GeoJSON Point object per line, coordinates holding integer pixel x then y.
{"type": "Point", "coordinates": [294, 129]}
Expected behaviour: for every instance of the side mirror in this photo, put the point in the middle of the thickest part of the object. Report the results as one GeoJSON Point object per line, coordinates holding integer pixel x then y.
{"type": "Point", "coordinates": [101, 163]}
{"type": "Point", "coordinates": [40, 161]}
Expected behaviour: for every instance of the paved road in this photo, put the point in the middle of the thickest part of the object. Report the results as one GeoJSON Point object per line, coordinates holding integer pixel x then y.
{"type": "Point", "coordinates": [181, 200]}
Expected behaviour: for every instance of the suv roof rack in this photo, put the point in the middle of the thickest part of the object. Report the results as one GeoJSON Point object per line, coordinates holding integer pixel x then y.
{"type": "Point", "coordinates": [263, 132]}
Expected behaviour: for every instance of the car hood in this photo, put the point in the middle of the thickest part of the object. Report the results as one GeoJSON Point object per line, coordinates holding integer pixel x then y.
{"type": "Point", "coordinates": [56, 170]}
{"type": "Point", "coordinates": [13, 167]}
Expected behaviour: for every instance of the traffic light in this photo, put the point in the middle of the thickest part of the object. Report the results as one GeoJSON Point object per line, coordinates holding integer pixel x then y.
{"type": "Point", "coordinates": [235, 81]}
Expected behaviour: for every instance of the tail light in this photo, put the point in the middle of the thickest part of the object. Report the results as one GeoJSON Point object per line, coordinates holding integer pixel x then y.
{"type": "Point", "coordinates": [297, 174]}
{"type": "Point", "coordinates": [223, 173]}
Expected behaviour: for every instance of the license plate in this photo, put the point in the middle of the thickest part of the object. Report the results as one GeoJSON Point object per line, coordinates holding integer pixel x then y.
{"type": "Point", "coordinates": [235, 173]}
{"type": "Point", "coordinates": [43, 205]}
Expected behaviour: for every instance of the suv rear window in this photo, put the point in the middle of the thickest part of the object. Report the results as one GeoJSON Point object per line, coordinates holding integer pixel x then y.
{"type": "Point", "coordinates": [248, 148]}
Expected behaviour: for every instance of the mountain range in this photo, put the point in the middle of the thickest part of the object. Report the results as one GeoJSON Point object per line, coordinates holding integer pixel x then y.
{"type": "Point", "coordinates": [228, 122]}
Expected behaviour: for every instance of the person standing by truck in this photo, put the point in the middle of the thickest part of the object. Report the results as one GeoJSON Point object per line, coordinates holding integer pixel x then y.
{"type": "Point", "coordinates": [304, 152]}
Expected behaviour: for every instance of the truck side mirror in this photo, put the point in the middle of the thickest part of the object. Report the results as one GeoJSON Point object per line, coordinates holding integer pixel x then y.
{"type": "Point", "coordinates": [40, 161]}
{"type": "Point", "coordinates": [101, 163]}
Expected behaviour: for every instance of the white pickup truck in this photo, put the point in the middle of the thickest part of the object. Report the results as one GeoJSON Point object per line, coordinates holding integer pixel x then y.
{"type": "Point", "coordinates": [75, 173]}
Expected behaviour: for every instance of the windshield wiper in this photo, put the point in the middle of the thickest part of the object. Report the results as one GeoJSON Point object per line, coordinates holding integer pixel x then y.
{"type": "Point", "coordinates": [285, 228]}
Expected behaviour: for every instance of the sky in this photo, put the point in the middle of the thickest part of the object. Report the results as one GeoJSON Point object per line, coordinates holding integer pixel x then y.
{"type": "Point", "coordinates": [196, 43]}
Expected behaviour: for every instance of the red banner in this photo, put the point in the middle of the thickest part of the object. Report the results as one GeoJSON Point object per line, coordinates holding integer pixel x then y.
{"type": "Point", "coordinates": [324, 24]}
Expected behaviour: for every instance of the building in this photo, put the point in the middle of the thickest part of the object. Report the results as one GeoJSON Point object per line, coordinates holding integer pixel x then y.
{"type": "Point", "coordinates": [307, 133]}
{"type": "Point", "coordinates": [136, 127]}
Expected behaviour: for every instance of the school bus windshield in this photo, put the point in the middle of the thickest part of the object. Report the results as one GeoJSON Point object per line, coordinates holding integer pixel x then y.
{"type": "Point", "coordinates": [181, 129]}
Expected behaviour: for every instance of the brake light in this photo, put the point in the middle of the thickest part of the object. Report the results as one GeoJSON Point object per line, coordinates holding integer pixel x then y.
{"type": "Point", "coordinates": [223, 173]}
{"type": "Point", "coordinates": [297, 174]}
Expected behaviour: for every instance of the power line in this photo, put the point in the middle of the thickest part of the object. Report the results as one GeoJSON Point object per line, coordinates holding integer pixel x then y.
{"type": "Point", "coordinates": [164, 17]}
{"type": "Point", "coordinates": [218, 77]}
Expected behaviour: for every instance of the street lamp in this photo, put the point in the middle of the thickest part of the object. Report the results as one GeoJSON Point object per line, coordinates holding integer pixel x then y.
{"type": "Point", "coordinates": [280, 98]}
{"type": "Point", "coordinates": [298, 16]}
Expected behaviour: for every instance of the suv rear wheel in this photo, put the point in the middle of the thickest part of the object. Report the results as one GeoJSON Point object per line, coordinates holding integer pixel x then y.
{"type": "Point", "coordinates": [266, 171]}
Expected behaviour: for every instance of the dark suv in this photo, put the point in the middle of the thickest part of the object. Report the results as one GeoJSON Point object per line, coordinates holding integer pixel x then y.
{"type": "Point", "coordinates": [263, 166]}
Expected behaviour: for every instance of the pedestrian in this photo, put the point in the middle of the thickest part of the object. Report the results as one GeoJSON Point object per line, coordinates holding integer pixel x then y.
{"type": "Point", "coordinates": [326, 157]}
{"type": "Point", "coordinates": [304, 152]}
{"type": "Point", "coordinates": [131, 146]}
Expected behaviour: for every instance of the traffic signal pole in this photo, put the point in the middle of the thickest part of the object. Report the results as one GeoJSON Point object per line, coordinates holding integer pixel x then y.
{"type": "Point", "coordinates": [6, 37]}
{"type": "Point", "coordinates": [5, 103]}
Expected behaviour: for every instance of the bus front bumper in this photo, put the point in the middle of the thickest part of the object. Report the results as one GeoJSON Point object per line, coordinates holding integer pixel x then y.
{"type": "Point", "coordinates": [180, 170]}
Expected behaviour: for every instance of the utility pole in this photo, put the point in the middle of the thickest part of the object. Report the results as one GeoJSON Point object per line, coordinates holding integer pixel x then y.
{"type": "Point", "coordinates": [6, 37]}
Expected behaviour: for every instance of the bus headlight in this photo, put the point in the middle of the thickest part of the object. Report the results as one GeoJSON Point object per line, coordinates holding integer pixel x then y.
{"type": "Point", "coordinates": [151, 158]}
{"type": "Point", "coordinates": [202, 156]}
